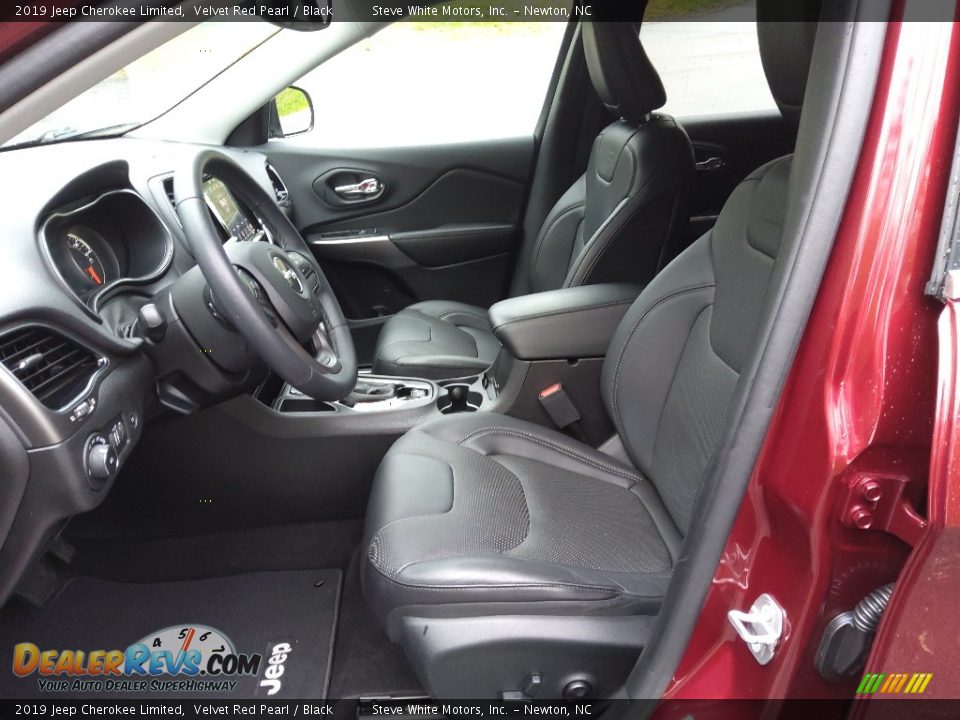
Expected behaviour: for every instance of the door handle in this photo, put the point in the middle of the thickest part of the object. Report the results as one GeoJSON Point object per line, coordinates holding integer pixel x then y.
{"type": "Point", "coordinates": [711, 164]}
{"type": "Point", "coordinates": [370, 187]}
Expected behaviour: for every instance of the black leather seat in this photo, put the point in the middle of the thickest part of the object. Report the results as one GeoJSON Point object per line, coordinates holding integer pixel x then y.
{"type": "Point", "coordinates": [610, 226]}
{"type": "Point", "coordinates": [483, 514]}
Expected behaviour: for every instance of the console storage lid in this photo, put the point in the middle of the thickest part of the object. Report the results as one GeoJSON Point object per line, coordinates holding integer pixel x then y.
{"type": "Point", "coordinates": [575, 322]}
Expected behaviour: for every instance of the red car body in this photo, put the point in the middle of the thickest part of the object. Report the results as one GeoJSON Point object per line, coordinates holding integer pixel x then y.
{"type": "Point", "coordinates": [867, 398]}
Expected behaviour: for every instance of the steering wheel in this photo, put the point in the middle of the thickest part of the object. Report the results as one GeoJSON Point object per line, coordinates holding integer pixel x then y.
{"type": "Point", "coordinates": [275, 295]}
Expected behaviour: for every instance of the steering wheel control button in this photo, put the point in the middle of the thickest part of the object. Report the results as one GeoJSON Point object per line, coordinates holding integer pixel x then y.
{"type": "Point", "coordinates": [307, 270]}
{"type": "Point", "coordinates": [101, 459]}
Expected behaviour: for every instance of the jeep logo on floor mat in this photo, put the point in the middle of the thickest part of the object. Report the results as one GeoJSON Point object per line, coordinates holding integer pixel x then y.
{"type": "Point", "coordinates": [278, 656]}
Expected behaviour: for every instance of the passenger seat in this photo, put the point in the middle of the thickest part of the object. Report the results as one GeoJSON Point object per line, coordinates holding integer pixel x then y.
{"type": "Point", "coordinates": [610, 226]}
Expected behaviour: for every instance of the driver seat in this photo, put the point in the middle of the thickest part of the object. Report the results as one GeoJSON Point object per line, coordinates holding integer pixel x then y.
{"type": "Point", "coordinates": [614, 224]}
{"type": "Point", "coordinates": [483, 529]}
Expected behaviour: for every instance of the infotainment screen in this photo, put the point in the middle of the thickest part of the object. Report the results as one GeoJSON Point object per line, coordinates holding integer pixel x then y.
{"type": "Point", "coordinates": [224, 206]}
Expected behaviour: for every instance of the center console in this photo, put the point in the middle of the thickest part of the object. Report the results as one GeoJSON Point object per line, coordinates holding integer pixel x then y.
{"type": "Point", "coordinates": [552, 338]}
{"type": "Point", "coordinates": [380, 394]}
{"type": "Point", "coordinates": [372, 393]}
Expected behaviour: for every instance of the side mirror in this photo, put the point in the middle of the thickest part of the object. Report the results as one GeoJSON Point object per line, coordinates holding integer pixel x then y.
{"type": "Point", "coordinates": [291, 113]}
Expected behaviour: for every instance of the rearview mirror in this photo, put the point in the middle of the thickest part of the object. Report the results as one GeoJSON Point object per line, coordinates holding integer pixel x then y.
{"type": "Point", "coordinates": [291, 113]}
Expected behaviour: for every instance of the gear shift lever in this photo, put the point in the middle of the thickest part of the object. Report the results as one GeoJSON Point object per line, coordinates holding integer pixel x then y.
{"type": "Point", "coordinates": [371, 392]}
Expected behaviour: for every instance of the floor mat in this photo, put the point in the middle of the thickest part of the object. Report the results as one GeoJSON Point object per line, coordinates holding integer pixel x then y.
{"type": "Point", "coordinates": [286, 618]}
{"type": "Point", "coordinates": [365, 662]}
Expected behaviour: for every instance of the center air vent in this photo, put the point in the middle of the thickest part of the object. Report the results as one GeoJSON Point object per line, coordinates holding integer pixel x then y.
{"type": "Point", "coordinates": [283, 195]}
{"type": "Point", "coordinates": [52, 367]}
{"type": "Point", "coordinates": [168, 189]}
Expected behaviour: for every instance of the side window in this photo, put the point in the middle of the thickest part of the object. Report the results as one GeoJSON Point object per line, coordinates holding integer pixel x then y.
{"type": "Point", "coordinates": [419, 83]}
{"type": "Point", "coordinates": [707, 68]}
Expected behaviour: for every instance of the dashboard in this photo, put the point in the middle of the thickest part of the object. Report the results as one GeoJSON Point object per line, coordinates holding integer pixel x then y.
{"type": "Point", "coordinates": [90, 237]}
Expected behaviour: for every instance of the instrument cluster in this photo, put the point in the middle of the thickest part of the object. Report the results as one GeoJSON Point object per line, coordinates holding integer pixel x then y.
{"type": "Point", "coordinates": [113, 240]}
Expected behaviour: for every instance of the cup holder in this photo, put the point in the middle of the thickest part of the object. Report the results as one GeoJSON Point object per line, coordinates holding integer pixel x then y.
{"type": "Point", "coordinates": [459, 398]}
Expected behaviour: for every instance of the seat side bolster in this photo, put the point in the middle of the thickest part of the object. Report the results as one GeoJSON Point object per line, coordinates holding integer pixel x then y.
{"type": "Point", "coordinates": [422, 486]}
{"type": "Point", "coordinates": [471, 586]}
{"type": "Point", "coordinates": [509, 436]}
{"type": "Point", "coordinates": [558, 239]}
{"type": "Point", "coordinates": [647, 346]}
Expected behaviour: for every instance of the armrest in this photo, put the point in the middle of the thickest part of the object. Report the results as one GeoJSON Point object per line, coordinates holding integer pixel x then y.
{"type": "Point", "coordinates": [573, 322]}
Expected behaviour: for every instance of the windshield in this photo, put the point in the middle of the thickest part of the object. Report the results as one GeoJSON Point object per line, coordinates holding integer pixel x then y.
{"type": "Point", "coordinates": [152, 84]}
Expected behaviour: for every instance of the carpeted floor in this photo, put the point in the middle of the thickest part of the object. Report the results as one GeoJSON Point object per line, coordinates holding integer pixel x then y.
{"type": "Point", "coordinates": [365, 662]}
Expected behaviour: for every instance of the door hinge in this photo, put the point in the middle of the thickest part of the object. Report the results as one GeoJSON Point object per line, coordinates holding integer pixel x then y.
{"type": "Point", "coordinates": [761, 627]}
{"type": "Point", "coordinates": [874, 501]}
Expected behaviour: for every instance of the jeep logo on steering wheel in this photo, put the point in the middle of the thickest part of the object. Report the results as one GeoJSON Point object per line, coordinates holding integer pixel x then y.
{"type": "Point", "coordinates": [289, 274]}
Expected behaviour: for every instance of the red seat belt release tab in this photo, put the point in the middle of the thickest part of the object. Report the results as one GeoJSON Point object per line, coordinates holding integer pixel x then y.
{"type": "Point", "coordinates": [559, 406]}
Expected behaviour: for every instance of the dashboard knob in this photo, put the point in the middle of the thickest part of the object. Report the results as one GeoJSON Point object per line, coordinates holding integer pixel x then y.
{"type": "Point", "coordinates": [101, 460]}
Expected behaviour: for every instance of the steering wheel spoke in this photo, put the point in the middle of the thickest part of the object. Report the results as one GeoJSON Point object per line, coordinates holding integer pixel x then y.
{"type": "Point", "coordinates": [324, 351]}
{"type": "Point", "coordinates": [261, 297]}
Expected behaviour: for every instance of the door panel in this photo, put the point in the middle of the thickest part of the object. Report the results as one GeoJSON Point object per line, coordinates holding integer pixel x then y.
{"type": "Point", "coordinates": [441, 222]}
{"type": "Point", "coordinates": [727, 148]}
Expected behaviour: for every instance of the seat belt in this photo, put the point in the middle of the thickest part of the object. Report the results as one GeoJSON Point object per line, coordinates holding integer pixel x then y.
{"type": "Point", "coordinates": [564, 414]}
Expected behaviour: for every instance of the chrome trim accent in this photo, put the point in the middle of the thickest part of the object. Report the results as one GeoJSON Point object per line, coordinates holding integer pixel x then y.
{"type": "Point", "coordinates": [367, 188]}
{"type": "Point", "coordinates": [351, 240]}
{"type": "Point", "coordinates": [288, 273]}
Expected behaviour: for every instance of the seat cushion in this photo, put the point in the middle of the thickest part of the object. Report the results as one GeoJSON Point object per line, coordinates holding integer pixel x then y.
{"type": "Point", "coordinates": [485, 514]}
{"type": "Point", "coordinates": [436, 339]}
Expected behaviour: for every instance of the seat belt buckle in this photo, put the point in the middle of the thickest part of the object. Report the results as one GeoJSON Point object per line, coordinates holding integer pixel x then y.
{"type": "Point", "coordinates": [559, 406]}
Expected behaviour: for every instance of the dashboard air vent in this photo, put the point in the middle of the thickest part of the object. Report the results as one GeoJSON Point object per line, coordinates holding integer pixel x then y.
{"type": "Point", "coordinates": [283, 195]}
{"type": "Point", "coordinates": [168, 189]}
{"type": "Point", "coordinates": [52, 367]}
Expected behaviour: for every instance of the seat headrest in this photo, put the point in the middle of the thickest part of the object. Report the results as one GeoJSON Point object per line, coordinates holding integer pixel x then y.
{"type": "Point", "coordinates": [621, 73]}
{"type": "Point", "coordinates": [786, 30]}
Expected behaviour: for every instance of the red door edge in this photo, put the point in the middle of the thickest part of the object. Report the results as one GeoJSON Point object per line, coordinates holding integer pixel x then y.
{"type": "Point", "coordinates": [920, 631]}
{"type": "Point", "coordinates": [860, 397]}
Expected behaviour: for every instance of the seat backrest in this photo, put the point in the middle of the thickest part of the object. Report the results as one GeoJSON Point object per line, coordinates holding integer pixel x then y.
{"type": "Point", "coordinates": [614, 222]}
{"type": "Point", "coordinates": [675, 360]}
